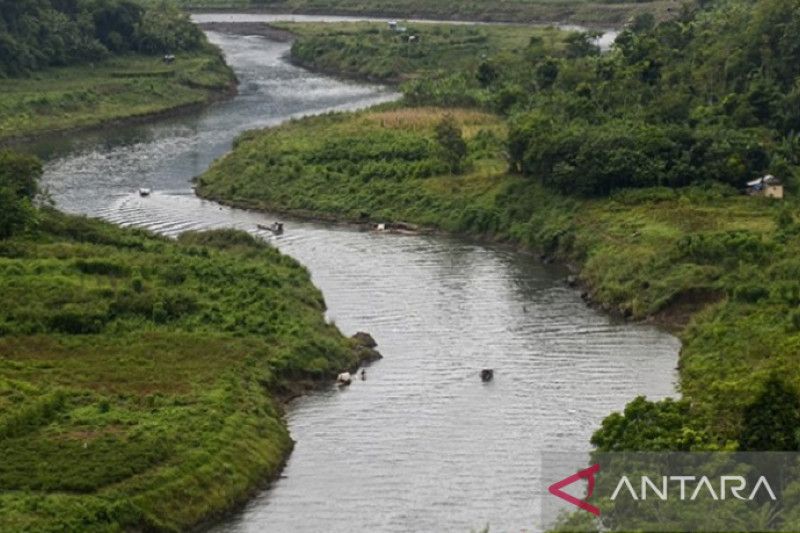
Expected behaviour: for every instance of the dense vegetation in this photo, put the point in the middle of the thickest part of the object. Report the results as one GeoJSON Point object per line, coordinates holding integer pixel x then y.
{"type": "Point", "coordinates": [373, 51]}
{"type": "Point", "coordinates": [138, 375]}
{"type": "Point", "coordinates": [591, 12]}
{"type": "Point", "coordinates": [35, 34]}
{"type": "Point", "coordinates": [629, 164]}
{"type": "Point", "coordinates": [77, 63]}
{"type": "Point", "coordinates": [126, 87]}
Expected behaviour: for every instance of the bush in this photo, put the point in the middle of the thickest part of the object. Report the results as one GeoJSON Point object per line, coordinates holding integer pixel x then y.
{"type": "Point", "coordinates": [77, 319]}
{"type": "Point", "coordinates": [715, 247]}
{"type": "Point", "coordinates": [19, 177]}
{"type": "Point", "coordinates": [771, 422]}
{"type": "Point", "coordinates": [101, 267]}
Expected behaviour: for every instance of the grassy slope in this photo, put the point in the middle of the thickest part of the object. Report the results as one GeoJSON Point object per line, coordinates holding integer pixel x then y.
{"type": "Point", "coordinates": [593, 13]}
{"type": "Point", "coordinates": [651, 252]}
{"type": "Point", "coordinates": [138, 375]}
{"type": "Point", "coordinates": [120, 88]}
{"type": "Point", "coordinates": [367, 50]}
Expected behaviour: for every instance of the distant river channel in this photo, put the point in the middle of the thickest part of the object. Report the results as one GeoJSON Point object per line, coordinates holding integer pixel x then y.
{"type": "Point", "coordinates": [422, 444]}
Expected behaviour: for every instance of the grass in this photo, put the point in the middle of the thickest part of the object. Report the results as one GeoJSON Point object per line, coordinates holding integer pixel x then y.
{"type": "Point", "coordinates": [592, 13]}
{"type": "Point", "coordinates": [139, 375]}
{"type": "Point", "coordinates": [120, 88]}
{"type": "Point", "coordinates": [719, 268]}
{"type": "Point", "coordinates": [372, 51]}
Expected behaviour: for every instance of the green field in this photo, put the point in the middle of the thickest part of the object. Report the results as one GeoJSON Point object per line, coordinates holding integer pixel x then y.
{"type": "Point", "coordinates": [592, 13]}
{"type": "Point", "coordinates": [120, 88]}
{"type": "Point", "coordinates": [139, 375]}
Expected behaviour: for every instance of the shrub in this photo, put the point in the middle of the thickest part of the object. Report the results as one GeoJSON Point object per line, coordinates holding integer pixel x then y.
{"type": "Point", "coordinates": [78, 319]}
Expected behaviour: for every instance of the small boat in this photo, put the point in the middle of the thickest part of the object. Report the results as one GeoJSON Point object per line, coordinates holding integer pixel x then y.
{"type": "Point", "coordinates": [144, 192]}
{"type": "Point", "coordinates": [399, 228]}
{"type": "Point", "coordinates": [344, 379]}
{"type": "Point", "coordinates": [487, 374]}
{"type": "Point", "coordinates": [275, 227]}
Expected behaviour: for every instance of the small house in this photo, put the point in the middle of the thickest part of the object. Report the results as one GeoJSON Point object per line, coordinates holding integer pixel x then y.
{"type": "Point", "coordinates": [768, 186]}
{"type": "Point", "coordinates": [393, 25]}
{"type": "Point", "coordinates": [169, 58]}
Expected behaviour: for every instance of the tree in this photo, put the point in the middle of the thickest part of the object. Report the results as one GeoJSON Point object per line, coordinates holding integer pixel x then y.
{"type": "Point", "coordinates": [546, 73]}
{"type": "Point", "coordinates": [642, 23]}
{"type": "Point", "coordinates": [486, 74]}
{"type": "Point", "coordinates": [771, 422]}
{"type": "Point", "coordinates": [19, 175]}
{"type": "Point", "coordinates": [581, 44]}
{"type": "Point", "coordinates": [651, 426]}
{"type": "Point", "coordinates": [451, 143]}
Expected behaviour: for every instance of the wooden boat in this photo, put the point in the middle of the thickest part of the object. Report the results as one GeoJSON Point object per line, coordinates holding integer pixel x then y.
{"type": "Point", "coordinates": [144, 192]}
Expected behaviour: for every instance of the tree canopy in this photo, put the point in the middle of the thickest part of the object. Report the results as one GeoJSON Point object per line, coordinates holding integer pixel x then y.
{"type": "Point", "coordinates": [35, 34]}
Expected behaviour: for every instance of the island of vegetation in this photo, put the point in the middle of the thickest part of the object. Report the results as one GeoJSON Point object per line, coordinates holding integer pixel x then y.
{"type": "Point", "coordinates": [631, 165]}
{"type": "Point", "coordinates": [67, 64]}
{"type": "Point", "coordinates": [140, 377]}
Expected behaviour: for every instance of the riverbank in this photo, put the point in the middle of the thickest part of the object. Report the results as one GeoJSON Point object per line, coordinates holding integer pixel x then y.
{"type": "Point", "coordinates": [147, 374]}
{"type": "Point", "coordinates": [710, 264]}
{"type": "Point", "coordinates": [121, 90]}
{"type": "Point", "coordinates": [591, 14]}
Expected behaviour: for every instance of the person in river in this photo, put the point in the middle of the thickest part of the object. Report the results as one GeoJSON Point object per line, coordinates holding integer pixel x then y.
{"type": "Point", "coordinates": [363, 374]}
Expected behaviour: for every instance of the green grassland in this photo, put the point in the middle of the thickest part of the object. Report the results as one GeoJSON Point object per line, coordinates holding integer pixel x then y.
{"type": "Point", "coordinates": [653, 253]}
{"type": "Point", "coordinates": [139, 375]}
{"type": "Point", "coordinates": [593, 13]}
{"type": "Point", "coordinates": [372, 51]}
{"type": "Point", "coordinates": [124, 87]}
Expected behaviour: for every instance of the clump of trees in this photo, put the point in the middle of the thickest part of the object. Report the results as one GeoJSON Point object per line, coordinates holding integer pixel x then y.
{"type": "Point", "coordinates": [35, 34]}
{"type": "Point", "coordinates": [19, 184]}
{"type": "Point", "coordinates": [711, 95]}
{"type": "Point", "coordinates": [772, 421]}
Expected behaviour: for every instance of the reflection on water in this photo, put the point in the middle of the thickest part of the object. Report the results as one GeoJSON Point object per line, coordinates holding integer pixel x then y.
{"type": "Point", "coordinates": [422, 444]}
{"type": "Point", "coordinates": [165, 156]}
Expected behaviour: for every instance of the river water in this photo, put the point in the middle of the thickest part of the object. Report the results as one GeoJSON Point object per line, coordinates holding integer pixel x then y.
{"type": "Point", "coordinates": [422, 444]}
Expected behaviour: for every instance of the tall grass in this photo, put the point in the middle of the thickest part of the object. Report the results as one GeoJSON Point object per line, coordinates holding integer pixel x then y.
{"type": "Point", "coordinates": [138, 374]}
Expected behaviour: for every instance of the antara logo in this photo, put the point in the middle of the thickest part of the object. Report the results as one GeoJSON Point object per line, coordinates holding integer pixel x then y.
{"type": "Point", "coordinates": [687, 487]}
{"type": "Point", "coordinates": [735, 484]}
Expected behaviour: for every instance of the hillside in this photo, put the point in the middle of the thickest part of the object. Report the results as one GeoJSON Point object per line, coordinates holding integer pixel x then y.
{"type": "Point", "coordinates": [140, 377]}
{"type": "Point", "coordinates": [75, 64]}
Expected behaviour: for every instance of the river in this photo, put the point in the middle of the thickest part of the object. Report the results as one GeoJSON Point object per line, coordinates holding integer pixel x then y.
{"type": "Point", "coordinates": [422, 444]}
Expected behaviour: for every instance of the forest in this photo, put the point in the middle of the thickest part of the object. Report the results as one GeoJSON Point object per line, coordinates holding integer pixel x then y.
{"type": "Point", "coordinates": [35, 34]}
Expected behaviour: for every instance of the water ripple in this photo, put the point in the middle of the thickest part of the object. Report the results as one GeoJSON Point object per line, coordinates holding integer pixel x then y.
{"type": "Point", "coordinates": [422, 444]}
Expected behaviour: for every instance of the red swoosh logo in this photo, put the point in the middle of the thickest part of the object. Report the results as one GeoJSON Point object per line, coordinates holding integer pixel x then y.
{"type": "Point", "coordinates": [555, 489]}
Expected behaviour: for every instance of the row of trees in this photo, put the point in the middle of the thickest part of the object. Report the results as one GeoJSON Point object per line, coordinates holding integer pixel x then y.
{"type": "Point", "coordinates": [35, 34]}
